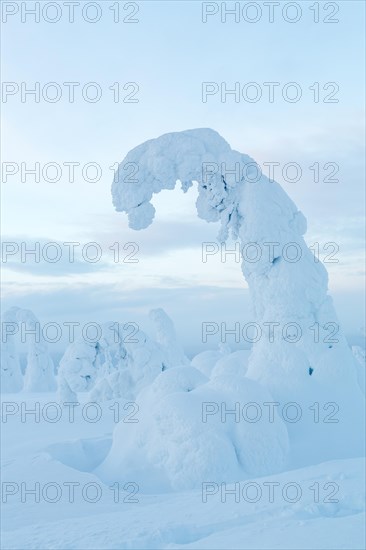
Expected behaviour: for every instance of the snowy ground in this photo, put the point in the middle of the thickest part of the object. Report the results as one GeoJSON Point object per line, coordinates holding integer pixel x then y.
{"type": "Point", "coordinates": [318, 507]}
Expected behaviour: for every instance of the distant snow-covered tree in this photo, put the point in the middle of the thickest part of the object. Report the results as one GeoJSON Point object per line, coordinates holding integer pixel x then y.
{"type": "Point", "coordinates": [78, 369]}
{"type": "Point", "coordinates": [122, 362]}
{"type": "Point", "coordinates": [39, 373]}
{"type": "Point", "coordinates": [40, 370]}
{"type": "Point", "coordinates": [11, 374]}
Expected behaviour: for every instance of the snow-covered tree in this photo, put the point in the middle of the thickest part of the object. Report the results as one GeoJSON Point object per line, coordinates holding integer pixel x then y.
{"type": "Point", "coordinates": [11, 374]}
{"type": "Point", "coordinates": [113, 380]}
{"type": "Point", "coordinates": [122, 362]}
{"type": "Point", "coordinates": [288, 286]}
{"type": "Point", "coordinates": [40, 371]}
{"type": "Point", "coordinates": [39, 374]}
{"type": "Point", "coordinates": [78, 369]}
{"type": "Point", "coordinates": [145, 358]}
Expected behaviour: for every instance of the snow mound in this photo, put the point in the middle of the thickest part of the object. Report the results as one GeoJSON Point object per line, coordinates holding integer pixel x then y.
{"type": "Point", "coordinates": [206, 360]}
{"type": "Point", "coordinates": [179, 379]}
{"type": "Point", "coordinates": [182, 439]}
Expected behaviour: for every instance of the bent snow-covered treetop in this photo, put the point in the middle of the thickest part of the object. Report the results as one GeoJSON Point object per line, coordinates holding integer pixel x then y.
{"type": "Point", "coordinates": [201, 156]}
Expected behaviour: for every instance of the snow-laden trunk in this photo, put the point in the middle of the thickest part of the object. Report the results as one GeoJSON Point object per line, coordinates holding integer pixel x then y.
{"type": "Point", "coordinates": [11, 374]}
{"type": "Point", "coordinates": [301, 355]}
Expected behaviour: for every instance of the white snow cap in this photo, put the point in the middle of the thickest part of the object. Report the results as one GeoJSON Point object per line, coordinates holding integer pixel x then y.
{"type": "Point", "coordinates": [193, 155]}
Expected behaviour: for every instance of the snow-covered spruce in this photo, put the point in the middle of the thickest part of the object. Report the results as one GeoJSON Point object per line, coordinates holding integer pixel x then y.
{"type": "Point", "coordinates": [130, 360]}
{"type": "Point", "coordinates": [122, 362]}
{"type": "Point", "coordinates": [40, 373]}
{"type": "Point", "coordinates": [233, 363]}
{"type": "Point", "coordinates": [257, 210]}
{"type": "Point", "coordinates": [78, 369]}
{"type": "Point", "coordinates": [11, 374]}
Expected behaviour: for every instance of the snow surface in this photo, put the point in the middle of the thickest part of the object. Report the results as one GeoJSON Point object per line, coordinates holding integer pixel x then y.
{"type": "Point", "coordinates": [69, 452]}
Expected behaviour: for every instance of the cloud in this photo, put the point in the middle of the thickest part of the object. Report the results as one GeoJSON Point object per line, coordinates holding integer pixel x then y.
{"type": "Point", "coordinates": [49, 257]}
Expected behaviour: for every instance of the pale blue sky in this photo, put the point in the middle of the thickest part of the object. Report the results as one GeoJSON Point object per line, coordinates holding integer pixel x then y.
{"type": "Point", "coordinates": [169, 53]}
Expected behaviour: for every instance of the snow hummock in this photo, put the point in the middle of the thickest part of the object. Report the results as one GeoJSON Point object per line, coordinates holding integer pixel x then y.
{"type": "Point", "coordinates": [173, 448]}
{"type": "Point", "coordinates": [166, 337]}
{"type": "Point", "coordinates": [234, 363]}
{"type": "Point", "coordinates": [206, 360]}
